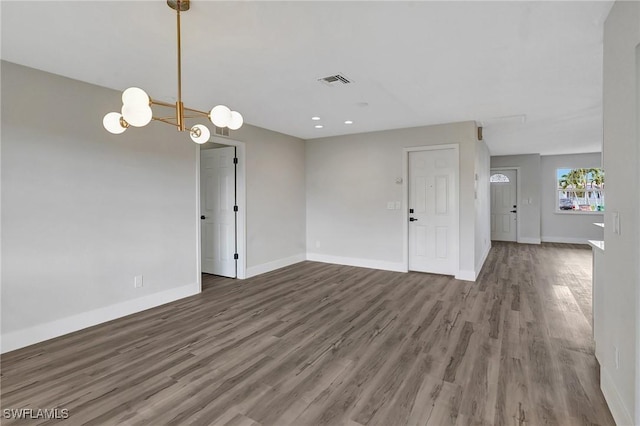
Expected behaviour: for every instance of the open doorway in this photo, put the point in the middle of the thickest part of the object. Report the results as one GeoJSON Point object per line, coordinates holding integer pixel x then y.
{"type": "Point", "coordinates": [221, 208]}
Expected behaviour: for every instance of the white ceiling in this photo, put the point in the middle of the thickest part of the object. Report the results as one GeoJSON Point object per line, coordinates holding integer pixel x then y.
{"type": "Point", "coordinates": [412, 63]}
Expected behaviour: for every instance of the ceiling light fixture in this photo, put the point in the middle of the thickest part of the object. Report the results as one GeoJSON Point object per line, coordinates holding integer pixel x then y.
{"type": "Point", "coordinates": [136, 104]}
{"type": "Point", "coordinates": [315, 118]}
{"type": "Point", "coordinates": [348, 122]}
{"type": "Point", "coordinates": [319, 126]}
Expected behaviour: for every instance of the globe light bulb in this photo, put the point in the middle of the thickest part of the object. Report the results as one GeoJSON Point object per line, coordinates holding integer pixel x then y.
{"type": "Point", "coordinates": [135, 96]}
{"type": "Point", "coordinates": [220, 116]}
{"type": "Point", "coordinates": [111, 122]}
{"type": "Point", "coordinates": [137, 115]}
{"type": "Point", "coordinates": [236, 120]}
{"type": "Point", "coordinates": [199, 134]}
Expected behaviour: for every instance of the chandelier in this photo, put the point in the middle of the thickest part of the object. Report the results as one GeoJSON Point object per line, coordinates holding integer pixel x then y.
{"type": "Point", "coordinates": [136, 104]}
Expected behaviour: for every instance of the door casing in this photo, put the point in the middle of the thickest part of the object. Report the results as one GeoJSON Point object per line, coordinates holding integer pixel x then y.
{"type": "Point", "coordinates": [511, 207]}
{"type": "Point", "coordinates": [405, 199]}
{"type": "Point", "coordinates": [241, 200]}
{"type": "Point", "coordinates": [518, 195]}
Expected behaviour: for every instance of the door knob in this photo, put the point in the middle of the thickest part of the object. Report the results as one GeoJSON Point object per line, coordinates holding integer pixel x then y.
{"type": "Point", "coordinates": [513, 211]}
{"type": "Point", "coordinates": [202, 217]}
{"type": "Point", "coordinates": [412, 219]}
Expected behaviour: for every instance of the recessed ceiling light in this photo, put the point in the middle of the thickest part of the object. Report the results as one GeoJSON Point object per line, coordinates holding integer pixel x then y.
{"type": "Point", "coordinates": [348, 122]}
{"type": "Point", "coordinates": [319, 126]}
{"type": "Point", "coordinates": [315, 118]}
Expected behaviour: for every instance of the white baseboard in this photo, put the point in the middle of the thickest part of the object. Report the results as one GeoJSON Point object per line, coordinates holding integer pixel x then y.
{"type": "Point", "coordinates": [482, 260]}
{"type": "Point", "coordinates": [524, 240]}
{"type": "Point", "coordinates": [620, 413]}
{"type": "Point", "coordinates": [39, 333]}
{"type": "Point", "coordinates": [466, 275]}
{"type": "Point", "coordinates": [566, 240]}
{"type": "Point", "coordinates": [276, 264]}
{"type": "Point", "coordinates": [362, 263]}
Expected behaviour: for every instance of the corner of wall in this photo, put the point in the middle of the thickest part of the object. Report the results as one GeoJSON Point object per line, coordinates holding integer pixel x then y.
{"type": "Point", "coordinates": [276, 264]}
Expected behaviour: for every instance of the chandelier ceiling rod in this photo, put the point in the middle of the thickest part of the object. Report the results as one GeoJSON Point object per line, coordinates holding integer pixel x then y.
{"type": "Point", "coordinates": [137, 112]}
{"type": "Point", "coordinates": [180, 105]}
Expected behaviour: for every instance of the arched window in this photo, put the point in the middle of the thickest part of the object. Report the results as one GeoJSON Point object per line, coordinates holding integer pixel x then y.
{"type": "Point", "coordinates": [498, 177]}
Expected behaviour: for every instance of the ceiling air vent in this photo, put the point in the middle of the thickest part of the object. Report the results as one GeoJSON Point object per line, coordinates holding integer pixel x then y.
{"type": "Point", "coordinates": [334, 80]}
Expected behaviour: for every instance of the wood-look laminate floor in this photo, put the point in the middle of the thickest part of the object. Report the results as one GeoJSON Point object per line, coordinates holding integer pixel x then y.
{"type": "Point", "coordinates": [319, 344]}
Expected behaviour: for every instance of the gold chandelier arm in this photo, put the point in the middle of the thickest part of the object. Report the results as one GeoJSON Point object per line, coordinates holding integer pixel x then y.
{"type": "Point", "coordinates": [166, 120]}
{"type": "Point", "coordinates": [160, 103]}
{"type": "Point", "coordinates": [206, 114]}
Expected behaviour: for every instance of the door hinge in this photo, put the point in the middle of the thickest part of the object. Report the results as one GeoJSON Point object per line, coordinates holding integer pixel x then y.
{"type": "Point", "coordinates": [235, 256]}
{"type": "Point", "coordinates": [235, 160]}
{"type": "Point", "coordinates": [235, 208]}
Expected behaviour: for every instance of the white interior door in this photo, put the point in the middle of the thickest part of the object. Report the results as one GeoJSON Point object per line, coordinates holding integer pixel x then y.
{"type": "Point", "coordinates": [217, 199]}
{"type": "Point", "coordinates": [504, 216]}
{"type": "Point", "coordinates": [433, 204]}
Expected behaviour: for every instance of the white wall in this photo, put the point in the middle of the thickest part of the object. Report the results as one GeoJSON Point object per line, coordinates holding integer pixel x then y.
{"type": "Point", "coordinates": [621, 386]}
{"type": "Point", "coordinates": [84, 211]}
{"type": "Point", "coordinates": [350, 179]}
{"type": "Point", "coordinates": [482, 205]}
{"type": "Point", "coordinates": [276, 199]}
{"type": "Point", "coordinates": [559, 227]}
{"type": "Point", "coordinates": [529, 196]}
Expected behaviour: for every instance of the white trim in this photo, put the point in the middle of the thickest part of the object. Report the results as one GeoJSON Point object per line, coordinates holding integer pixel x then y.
{"type": "Point", "coordinates": [518, 198]}
{"type": "Point", "coordinates": [361, 263]}
{"type": "Point", "coordinates": [405, 203]}
{"type": "Point", "coordinates": [637, 402]}
{"type": "Point", "coordinates": [41, 332]}
{"type": "Point", "coordinates": [566, 240]}
{"type": "Point", "coordinates": [482, 260]}
{"type": "Point", "coordinates": [198, 224]}
{"type": "Point", "coordinates": [618, 410]}
{"type": "Point", "coordinates": [525, 240]}
{"type": "Point", "coordinates": [466, 275]}
{"type": "Point", "coordinates": [275, 264]}
{"type": "Point", "coordinates": [241, 199]}
{"type": "Point", "coordinates": [577, 212]}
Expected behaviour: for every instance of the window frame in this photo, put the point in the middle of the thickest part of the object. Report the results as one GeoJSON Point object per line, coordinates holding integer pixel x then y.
{"type": "Point", "coordinates": [557, 191]}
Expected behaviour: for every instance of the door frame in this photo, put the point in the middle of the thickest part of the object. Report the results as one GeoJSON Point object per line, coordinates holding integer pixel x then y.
{"type": "Point", "coordinates": [405, 200]}
{"type": "Point", "coordinates": [518, 196]}
{"type": "Point", "coordinates": [241, 200]}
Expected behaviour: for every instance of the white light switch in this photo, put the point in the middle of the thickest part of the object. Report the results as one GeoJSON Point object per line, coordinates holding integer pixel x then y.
{"type": "Point", "coordinates": [390, 205]}
{"type": "Point", "coordinates": [616, 223]}
{"type": "Point", "coordinates": [137, 281]}
{"type": "Point", "coordinates": [397, 205]}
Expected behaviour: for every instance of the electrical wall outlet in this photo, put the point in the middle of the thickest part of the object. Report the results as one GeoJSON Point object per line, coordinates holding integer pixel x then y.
{"type": "Point", "coordinates": [137, 281]}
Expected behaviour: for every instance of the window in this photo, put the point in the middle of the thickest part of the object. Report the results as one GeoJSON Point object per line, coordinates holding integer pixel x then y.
{"type": "Point", "coordinates": [498, 177]}
{"type": "Point", "coordinates": [580, 190]}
